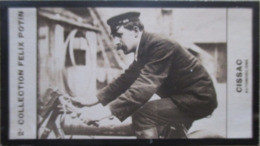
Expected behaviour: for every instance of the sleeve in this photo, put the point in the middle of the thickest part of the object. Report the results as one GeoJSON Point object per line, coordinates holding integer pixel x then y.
{"type": "Point", "coordinates": [151, 77]}
{"type": "Point", "coordinates": [118, 86]}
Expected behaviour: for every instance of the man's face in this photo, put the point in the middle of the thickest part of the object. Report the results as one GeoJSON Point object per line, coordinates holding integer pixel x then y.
{"type": "Point", "coordinates": [125, 40]}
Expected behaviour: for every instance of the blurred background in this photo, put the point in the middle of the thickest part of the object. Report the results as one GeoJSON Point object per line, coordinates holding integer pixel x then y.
{"type": "Point", "coordinates": [76, 54]}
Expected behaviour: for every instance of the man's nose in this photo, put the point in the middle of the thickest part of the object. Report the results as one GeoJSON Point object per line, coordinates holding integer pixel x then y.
{"type": "Point", "coordinates": [116, 41]}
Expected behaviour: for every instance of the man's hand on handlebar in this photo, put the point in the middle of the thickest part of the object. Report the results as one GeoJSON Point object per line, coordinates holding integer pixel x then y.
{"type": "Point", "coordinates": [93, 115]}
{"type": "Point", "coordinates": [88, 110]}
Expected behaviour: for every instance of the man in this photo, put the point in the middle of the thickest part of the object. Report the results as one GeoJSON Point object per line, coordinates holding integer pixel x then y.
{"type": "Point", "coordinates": [163, 67]}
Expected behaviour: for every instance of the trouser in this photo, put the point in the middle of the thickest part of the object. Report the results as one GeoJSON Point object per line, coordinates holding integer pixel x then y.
{"type": "Point", "coordinates": [152, 117]}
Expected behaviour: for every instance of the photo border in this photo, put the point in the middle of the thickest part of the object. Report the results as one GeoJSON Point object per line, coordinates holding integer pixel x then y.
{"type": "Point", "coordinates": [176, 4]}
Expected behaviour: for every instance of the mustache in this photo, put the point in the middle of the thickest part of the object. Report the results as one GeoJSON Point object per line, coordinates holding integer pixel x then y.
{"type": "Point", "coordinates": [121, 46]}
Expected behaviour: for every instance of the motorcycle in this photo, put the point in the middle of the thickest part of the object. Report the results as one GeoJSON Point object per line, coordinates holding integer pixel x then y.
{"type": "Point", "coordinates": [60, 117]}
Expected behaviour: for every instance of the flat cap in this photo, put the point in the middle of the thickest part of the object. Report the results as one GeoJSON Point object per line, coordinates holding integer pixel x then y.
{"type": "Point", "coordinates": [121, 19]}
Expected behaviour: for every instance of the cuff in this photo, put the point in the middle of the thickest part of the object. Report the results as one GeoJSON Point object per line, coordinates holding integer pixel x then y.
{"type": "Point", "coordinates": [102, 98]}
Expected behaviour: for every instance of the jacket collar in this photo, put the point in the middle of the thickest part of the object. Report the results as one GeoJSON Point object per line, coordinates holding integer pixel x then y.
{"type": "Point", "coordinates": [137, 48]}
{"type": "Point", "coordinates": [142, 44]}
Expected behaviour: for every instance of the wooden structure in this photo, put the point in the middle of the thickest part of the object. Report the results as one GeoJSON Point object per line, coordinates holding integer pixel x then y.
{"type": "Point", "coordinates": [67, 47]}
{"type": "Point", "coordinates": [74, 50]}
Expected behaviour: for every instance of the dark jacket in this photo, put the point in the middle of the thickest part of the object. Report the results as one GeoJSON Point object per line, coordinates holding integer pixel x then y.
{"type": "Point", "coordinates": [165, 68]}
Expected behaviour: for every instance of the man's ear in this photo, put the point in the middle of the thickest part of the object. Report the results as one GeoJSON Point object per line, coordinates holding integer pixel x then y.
{"type": "Point", "coordinates": [136, 30]}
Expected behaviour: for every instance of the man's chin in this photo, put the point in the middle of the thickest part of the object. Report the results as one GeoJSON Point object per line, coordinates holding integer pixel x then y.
{"type": "Point", "coordinates": [126, 52]}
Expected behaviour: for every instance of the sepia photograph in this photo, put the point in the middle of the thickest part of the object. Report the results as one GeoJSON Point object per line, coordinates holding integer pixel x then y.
{"type": "Point", "coordinates": [132, 73]}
